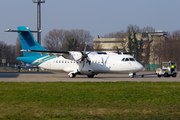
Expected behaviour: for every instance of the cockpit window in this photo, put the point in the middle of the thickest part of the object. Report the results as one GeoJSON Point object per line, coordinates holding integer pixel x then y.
{"type": "Point", "coordinates": [131, 59]}
{"type": "Point", "coordinates": [127, 59]}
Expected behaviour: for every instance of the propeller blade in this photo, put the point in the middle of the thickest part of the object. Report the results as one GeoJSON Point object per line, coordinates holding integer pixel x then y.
{"type": "Point", "coordinates": [124, 46]}
{"type": "Point", "coordinates": [117, 49]}
{"type": "Point", "coordinates": [88, 61]}
{"type": "Point", "coordinates": [85, 48]}
{"type": "Point", "coordinates": [83, 65]}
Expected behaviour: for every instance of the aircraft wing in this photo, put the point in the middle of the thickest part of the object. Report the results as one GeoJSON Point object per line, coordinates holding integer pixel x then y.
{"type": "Point", "coordinates": [65, 54]}
{"type": "Point", "coordinates": [101, 53]}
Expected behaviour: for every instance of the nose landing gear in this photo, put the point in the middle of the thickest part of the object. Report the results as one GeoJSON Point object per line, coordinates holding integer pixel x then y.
{"type": "Point", "coordinates": [132, 75]}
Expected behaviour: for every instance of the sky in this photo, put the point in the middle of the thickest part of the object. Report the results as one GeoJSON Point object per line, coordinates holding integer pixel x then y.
{"type": "Point", "coordinates": [99, 17]}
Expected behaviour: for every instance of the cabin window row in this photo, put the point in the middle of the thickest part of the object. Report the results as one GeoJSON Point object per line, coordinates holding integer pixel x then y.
{"type": "Point", "coordinates": [67, 61]}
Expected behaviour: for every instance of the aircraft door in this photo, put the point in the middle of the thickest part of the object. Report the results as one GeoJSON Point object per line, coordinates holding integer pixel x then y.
{"type": "Point", "coordinates": [48, 64]}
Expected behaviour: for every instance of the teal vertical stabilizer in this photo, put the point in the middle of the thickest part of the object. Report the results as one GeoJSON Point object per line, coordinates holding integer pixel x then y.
{"type": "Point", "coordinates": [28, 42]}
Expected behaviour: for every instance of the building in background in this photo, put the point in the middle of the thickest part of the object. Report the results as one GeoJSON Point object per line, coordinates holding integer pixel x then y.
{"type": "Point", "coordinates": [109, 44]}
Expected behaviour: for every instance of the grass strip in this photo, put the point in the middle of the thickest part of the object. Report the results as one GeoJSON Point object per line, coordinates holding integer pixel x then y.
{"type": "Point", "coordinates": [86, 100]}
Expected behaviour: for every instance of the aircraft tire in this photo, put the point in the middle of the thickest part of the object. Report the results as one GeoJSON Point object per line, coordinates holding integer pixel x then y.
{"type": "Point", "coordinates": [132, 76]}
{"type": "Point", "coordinates": [90, 76]}
{"type": "Point", "coordinates": [72, 75]}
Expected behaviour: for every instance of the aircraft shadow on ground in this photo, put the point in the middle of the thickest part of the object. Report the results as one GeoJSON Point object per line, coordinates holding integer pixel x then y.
{"type": "Point", "coordinates": [16, 74]}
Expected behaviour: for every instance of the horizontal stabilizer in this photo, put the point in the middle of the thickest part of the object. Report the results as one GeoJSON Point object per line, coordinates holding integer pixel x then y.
{"type": "Point", "coordinates": [9, 30]}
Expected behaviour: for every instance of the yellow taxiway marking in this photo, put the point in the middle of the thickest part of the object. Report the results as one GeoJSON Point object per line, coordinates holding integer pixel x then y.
{"type": "Point", "coordinates": [54, 78]}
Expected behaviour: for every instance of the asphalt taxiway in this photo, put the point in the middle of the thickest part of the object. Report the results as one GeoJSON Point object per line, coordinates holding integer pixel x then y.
{"type": "Point", "coordinates": [55, 77]}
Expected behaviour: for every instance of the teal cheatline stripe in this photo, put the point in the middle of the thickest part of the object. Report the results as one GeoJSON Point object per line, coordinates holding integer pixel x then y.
{"type": "Point", "coordinates": [44, 60]}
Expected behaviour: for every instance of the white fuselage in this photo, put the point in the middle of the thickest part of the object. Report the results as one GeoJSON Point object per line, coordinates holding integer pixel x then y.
{"type": "Point", "coordinates": [102, 63]}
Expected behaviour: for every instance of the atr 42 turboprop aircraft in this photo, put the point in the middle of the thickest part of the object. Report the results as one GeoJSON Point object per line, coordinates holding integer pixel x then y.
{"type": "Point", "coordinates": [74, 62]}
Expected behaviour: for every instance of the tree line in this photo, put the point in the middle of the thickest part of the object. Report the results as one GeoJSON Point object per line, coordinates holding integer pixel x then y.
{"type": "Point", "coordinates": [67, 40]}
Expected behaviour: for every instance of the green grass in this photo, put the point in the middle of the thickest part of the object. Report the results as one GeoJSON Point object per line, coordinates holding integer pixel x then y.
{"type": "Point", "coordinates": [106, 100]}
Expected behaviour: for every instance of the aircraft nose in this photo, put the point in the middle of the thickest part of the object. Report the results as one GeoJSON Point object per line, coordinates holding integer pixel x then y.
{"type": "Point", "coordinates": [140, 67]}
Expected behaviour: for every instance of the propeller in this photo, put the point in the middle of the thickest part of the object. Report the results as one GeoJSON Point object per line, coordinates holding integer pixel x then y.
{"type": "Point", "coordinates": [84, 57]}
{"type": "Point", "coordinates": [124, 46]}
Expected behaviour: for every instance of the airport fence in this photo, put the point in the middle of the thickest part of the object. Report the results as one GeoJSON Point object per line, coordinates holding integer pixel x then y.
{"type": "Point", "coordinates": [6, 68]}
{"type": "Point", "coordinates": [152, 66]}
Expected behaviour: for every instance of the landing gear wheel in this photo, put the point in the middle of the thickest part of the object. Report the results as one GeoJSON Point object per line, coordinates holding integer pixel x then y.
{"type": "Point", "coordinates": [174, 75]}
{"type": "Point", "coordinates": [90, 76]}
{"type": "Point", "coordinates": [72, 75]}
{"type": "Point", "coordinates": [132, 76]}
{"type": "Point", "coordinates": [159, 75]}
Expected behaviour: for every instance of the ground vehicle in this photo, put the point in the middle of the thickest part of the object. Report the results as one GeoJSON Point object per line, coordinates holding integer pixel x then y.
{"type": "Point", "coordinates": [166, 70]}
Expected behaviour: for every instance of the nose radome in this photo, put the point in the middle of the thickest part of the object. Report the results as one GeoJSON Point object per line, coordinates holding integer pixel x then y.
{"type": "Point", "coordinates": [140, 66]}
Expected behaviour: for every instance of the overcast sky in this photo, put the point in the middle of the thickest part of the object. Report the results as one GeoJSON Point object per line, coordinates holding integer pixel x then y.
{"type": "Point", "coordinates": [100, 17]}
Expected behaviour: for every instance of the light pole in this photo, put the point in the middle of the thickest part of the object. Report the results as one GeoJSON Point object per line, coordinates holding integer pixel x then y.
{"type": "Point", "coordinates": [39, 19]}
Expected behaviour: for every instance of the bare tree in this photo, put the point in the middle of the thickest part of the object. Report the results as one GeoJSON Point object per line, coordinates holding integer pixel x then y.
{"type": "Point", "coordinates": [18, 48]}
{"type": "Point", "coordinates": [60, 39]}
{"type": "Point", "coordinates": [171, 49]}
{"type": "Point", "coordinates": [133, 44]}
{"type": "Point", "coordinates": [157, 49]}
{"type": "Point", "coordinates": [7, 52]}
{"type": "Point", "coordinates": [115, 35]}
{"type": "Point", "coordinates": [54, 39]}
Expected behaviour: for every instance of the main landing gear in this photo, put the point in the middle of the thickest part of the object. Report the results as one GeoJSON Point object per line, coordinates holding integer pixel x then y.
{"type": "Point", "coordinates": [131, 75]}
{"type": "Point", "coordinates": [73, 75]}
{"type": "Point", "coordinates": [90, 76]}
